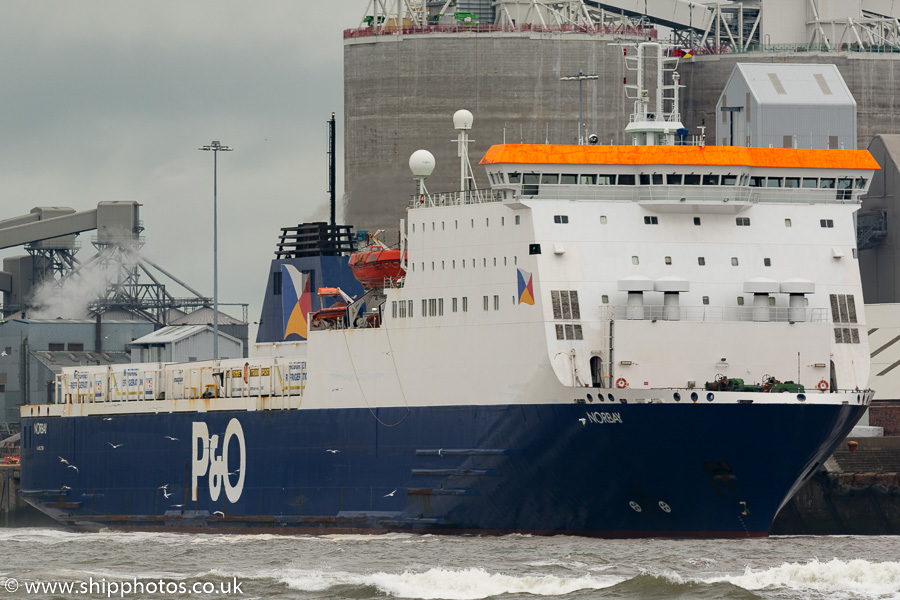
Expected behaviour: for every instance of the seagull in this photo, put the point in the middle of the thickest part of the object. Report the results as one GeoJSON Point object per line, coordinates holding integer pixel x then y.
{"type": "Point", "coordinates": [174, 439]}
{"type": "Point", "coordinates": [387, 353]}
{"type": "Point", "coordinates": [176, 505]}
{"type": "Point", "coordinates": [333, 451]}
{"type": "Point", "coordinates": [166, 494]}
{"type": "Point", "coordinates": [63, 461]}
{"type": "Point", "coordinates": [107, 418]}
{"type": "Point", "coordinates": [4, 353]}
{"type": "Point", "coordinates": [391, 494]}
{"type": "Point", "coordinates": [65, 487]}
{"type": "Point", "coordinates": [115, 445]}
{"type": "Point", "coordinates": [583, 421]}
{"type": "Point", "coordinates": [220, 513]}
{"type": "Point", "coordinates": [163, 486]}
{"type": "Point", "coordinates": [335, 389]}
{"type": "Point", "coordinates": [73, 467]}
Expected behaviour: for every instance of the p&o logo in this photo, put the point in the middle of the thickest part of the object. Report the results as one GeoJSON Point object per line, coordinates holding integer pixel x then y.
{"type": "Point", "coordinates": [208, 460]}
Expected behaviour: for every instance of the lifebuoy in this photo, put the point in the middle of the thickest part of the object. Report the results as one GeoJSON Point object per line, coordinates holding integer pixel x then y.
{"type": "Point", "coordinates": [620, 382]}
{"type": "Point", "coordinates": [316, 322]}
{"type": "Point", "coordinates": [822, 385]}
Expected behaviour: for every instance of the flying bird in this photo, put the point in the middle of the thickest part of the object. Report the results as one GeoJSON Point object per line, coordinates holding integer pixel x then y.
{"type": "Point", "coordinates": [176, 505]}
{"type": "Point", "coordinates": [4, 353]}
{"type": "Point", "coordinates": [115, 445]}
{"type": "Point", "coordinates": [391, 494]}
{"type": "Point", "coordinates": [163, 486]}
{"type": "Point", "coordinates": [166, 494]}
{"type": "Point", "coordinates": [107, 418]}
{"type": "Point", "coordinates": [73, 467]}
{"type": "Point", "coordinates": [335, 389]}
{"type": "Point", "coordinates": [63, 461]}
{"type": "Point", "coordinates": [65, 487]}
{"type": "Point", "coordinates": [220, 513]}
{"type": "Point", "coordinates": [583, 421]}
{"type": "Point", "coordinates": [332, 451]}
{"type": "Point", "coordinates": [169, 437]}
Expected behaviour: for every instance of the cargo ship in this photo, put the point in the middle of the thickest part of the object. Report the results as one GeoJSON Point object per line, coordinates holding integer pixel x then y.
{"type": "Point", "coordinates": [613, 341]}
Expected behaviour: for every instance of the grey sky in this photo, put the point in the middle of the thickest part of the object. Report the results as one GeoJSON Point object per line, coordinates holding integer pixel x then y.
{"type": "Point", "coordinates": [109, 100]}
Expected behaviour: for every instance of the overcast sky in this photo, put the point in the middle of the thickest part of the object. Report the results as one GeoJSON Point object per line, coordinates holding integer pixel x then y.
{"type": "Point", "coordinates": [109, 100]}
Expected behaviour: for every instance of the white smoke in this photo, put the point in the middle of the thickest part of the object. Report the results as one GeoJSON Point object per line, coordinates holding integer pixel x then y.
{"type": "Point", "coordinates": [69, 300]}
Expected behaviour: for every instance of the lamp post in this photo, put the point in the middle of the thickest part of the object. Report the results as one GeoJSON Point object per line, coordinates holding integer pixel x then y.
{"type": "Point", "coordinates": [580, 79]}
{"type": "Point", "coordinates": [216, 147]}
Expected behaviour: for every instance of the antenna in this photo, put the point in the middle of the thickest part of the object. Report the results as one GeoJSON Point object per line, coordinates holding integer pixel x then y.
{"type": "Point", "coordinates": [462, 121]}
{"type": "Point", "coordinates": [331, 167]}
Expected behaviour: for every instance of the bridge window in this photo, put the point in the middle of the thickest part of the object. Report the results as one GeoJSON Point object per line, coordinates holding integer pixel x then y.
{"type": "Point", "coordinates": [589, 180]}
{"type": "Point", "coordinates": [550, 178]}
{"type": "Point", "coordinates": [515, 177]}
{"type": "Point", "coordinates": [674, 179]}
{"type": "Point", "coordinates": [692, 179]}
{"type": "Point", "coordinates": [568, 179]}
{"type": "Point", "coordinates": [792, 182]}
{"type": "Point", "coordinates": [626, 179]}
{"type": "Point", "coordinates": [711, 180]}
{"type": "Point", "coordinates": [774, 182]}
{"type": "Point", "coordinates": [826, 183]}
{"type": "Point", "coordinates": [606, 180]}
{"type": "Point", "coordinates": [729, 179]}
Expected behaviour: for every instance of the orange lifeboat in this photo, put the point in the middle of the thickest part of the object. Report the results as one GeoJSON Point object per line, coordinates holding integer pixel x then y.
{"type": "Point", "coordinates": [331, 316]}
{"type": "Point", "coordinates": [377, 264]}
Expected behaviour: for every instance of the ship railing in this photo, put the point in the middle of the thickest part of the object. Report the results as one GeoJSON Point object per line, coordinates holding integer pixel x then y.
{"type": "Point", "coordinates": [455, 198]}
{"type": "Point", "coordinates": [729, 314]}
{"type": "Point", "coordinates": [678, 194]}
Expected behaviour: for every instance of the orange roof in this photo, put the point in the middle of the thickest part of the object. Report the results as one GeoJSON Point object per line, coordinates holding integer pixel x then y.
{"type": "Point", "coordinates": [679, 155]}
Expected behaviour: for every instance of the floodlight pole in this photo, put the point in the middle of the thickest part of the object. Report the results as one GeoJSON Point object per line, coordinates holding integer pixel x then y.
{"type": "Point", "coordinates": [216, 147]}
{"type": "Point", "coordinates": [580, 78]}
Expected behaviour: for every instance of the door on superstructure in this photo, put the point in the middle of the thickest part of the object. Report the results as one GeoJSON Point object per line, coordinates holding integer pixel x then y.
{"type": "Point", "coordinates": [596, 371]}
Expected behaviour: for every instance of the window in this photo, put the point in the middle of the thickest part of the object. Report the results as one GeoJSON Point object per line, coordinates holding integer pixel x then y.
{"type": "Point", "coordinates": [568, 179]}
{"type": "Point", "coordinates": [515, 177]}
{"type": "Point", "coordinates": [55, 347]}
{"type": "Point", "coordinates": [827, 223]}
{"type": "Point", "coordinates": [711, 180]}
{"type": "Point", "coordinates": [651, 221]}
{"type": "Point", "coordinates": [845, 188]}
{"type": "Point", "coordinates": [701, 260]}
{"type": "Point", "coordinates": [604, 299]}
{"type": "Point", "coordinates": [603, 219]}
{"type": "Point", "coordinates": [453, 264]}
{"type": "Point", "coordinates": [645, 179]}
{"type": "Point", "coordinates": [424, 307]}
{"type": "Point", "coordinates": [484, 262]}
{"type": "Point", "coordinates": [767, 262]}
{"type": "Point", "coordinates": [742, 221]}
{"type": "Point", "coordinates": [534, 248]}
{"type": "Point", "coordinates": [691, 179]}
{"type": "Point", "coordinates": [409, 306]}
{"type": "Point", "coordinates": [549, 178]}
{"type": "Point", "coordinates": [606, 180]}
{"type": "Point", "coordinates": [740, 300]}
{"type": "Point", "coordinates": [589, 180]}
{"type": "Point", "coordinates": [518, 220]}
{"type": "Point", "coordinates": [530, 184]}
{"type": "Point", "coordinates": [757, 181]}
{"type": "Point", "coordinates": [496, 302]}
{"type": "Point", "coordinates": [440, 307]}
{"type": "Point", "coordinates": [792, 182]}
{"type": "Point", "coordinates": [705, 299]}
{"type": "Point", "coordinates": [453, 304]}
{"type": "Point", "coordinates": [729, 179]}
{"type": "Point", "coordinates": [826, 183]}
{"type": "Point", "coordinates": [668, 260]}
{"type": "Point", "coordinates": [810, 183]}
{"type": "Point", "coordinates": [465, 304]}
{"type": "Point", "coordinates": [774, 182]}
{"type": "Point", "coordinates": [394, 309]}
{"type": "Point", "coordinates": [734, 261]}
{"type": "Point", "coordinates": [402, 309]}
{"type": "Point", "coordinates": [673, 179]}
{"type": "Point", "coordinates": [560, 218]}
{"type": "Point", "coordinates": [861, 183]}
{"type": "Point", "coordinates": [771, 300]}
{"type": "Point", "coordinates": [626, 179]}
{"type": "Point", "coordinates": [635, 260]}
{"type": "Point", "coordinates": [495, 261]}
{"type": "Point", "coordinates": [565, 304]}
{"type": "Point", "coordinates": [485, 303]}
{"type": "Point", "coordinates": [487, 222]}
{"type": "Point", "coordinates": [787, 222]}
{"type": "Point", "coordinates": [696, 220]}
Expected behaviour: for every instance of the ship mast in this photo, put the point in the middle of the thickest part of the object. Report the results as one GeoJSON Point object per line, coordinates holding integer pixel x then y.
{"type": "Point", "coordinates": [660, 126]}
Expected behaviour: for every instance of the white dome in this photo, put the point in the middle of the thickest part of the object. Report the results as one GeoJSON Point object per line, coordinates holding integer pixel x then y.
{"type": "Point", "coordinates": [421, 163]}
{"type": "Point", "coordinates": [462, 119]}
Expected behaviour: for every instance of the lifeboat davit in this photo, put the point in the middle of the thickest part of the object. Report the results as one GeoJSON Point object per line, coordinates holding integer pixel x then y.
{"type": "Point", "coordinates": [377, 265]}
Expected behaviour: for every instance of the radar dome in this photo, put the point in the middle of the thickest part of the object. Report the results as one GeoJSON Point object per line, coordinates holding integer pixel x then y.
{"type": "Point", "coordinates": [421, 163]}
{"type": "Point", "coordinates": [462, 119]}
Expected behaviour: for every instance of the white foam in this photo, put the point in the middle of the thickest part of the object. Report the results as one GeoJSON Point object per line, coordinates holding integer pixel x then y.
{"type": "Point", "coordinates": [855, 577]}
{"type": "Point", "coordinates": [449, 584]}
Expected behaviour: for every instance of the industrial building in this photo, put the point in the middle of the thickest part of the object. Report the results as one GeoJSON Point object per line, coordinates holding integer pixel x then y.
{"type": "Point", "coordinates": [409, 65]}
{"type": "Point", "coordinates": [786, 106]}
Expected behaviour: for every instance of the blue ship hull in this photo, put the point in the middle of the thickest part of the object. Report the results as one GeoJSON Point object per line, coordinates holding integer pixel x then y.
{"type": "Point", "coordinates": [601, 470]}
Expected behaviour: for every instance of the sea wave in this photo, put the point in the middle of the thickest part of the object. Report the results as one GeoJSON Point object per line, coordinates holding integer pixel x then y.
{"type": "Point", "coordinates": [447, 584]}
{"type": "Point", "coordinates": [859, 578]}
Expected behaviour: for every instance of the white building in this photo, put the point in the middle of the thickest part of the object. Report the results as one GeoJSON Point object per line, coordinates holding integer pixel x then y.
{"type": "Point", "coordinates": [183, 343]}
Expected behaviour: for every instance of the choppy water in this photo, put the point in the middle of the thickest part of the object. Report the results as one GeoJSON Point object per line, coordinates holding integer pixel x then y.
{"type": "Point", "coordinates": [431, 567]}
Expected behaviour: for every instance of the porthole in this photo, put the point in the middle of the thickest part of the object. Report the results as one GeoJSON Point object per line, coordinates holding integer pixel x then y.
{"type": "Point", "coordinates": [801, 397]}
{"type": "Point", "coordinates": [710, 397]}
{"type": "Point", "coordinates": [694, 396]}
{"type": "Point", "coordinates": [590, 398]}
{"type": "Point", "coordinates": [611, 397]}
{"type": "Point", "coordinates": [677, 397]}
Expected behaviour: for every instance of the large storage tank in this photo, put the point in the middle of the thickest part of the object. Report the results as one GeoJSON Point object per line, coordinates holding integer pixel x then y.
{"type": "Point", "coordinates": [401, 90]}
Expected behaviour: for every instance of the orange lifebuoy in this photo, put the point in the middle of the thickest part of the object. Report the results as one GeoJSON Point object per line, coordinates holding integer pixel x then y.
{"type": "Point", "coordinates": [822, 385]}
{"type": "Point", "coordinates": [620, 382]}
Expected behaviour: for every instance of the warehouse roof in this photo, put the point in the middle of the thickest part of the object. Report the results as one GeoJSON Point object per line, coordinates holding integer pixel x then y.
{"type": "Point", "coordinates": [794, 83]}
